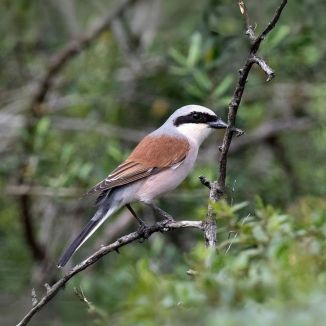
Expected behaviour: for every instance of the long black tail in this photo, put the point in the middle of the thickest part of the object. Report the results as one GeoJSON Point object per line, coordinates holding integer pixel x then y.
{"type": "Point", "coordinates": [77, 242]}
{"type": "Point", "coordinates": [103, 212]}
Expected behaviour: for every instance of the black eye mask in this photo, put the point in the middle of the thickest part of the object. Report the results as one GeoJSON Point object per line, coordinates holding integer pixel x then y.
{"type": "Point", "coordinates": [195, 117]}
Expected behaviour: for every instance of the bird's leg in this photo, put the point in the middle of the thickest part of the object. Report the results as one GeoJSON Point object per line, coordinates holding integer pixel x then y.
{"type": "Point", "coordinates": [142, 225]}
{"type": "Point", "coordinates": [139, 220]}
{"type": "Point", "coordinates": [160, 213]}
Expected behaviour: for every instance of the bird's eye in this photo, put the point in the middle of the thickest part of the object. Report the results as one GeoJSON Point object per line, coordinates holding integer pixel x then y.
{"type": "Point", "coordinates": [196, 116]}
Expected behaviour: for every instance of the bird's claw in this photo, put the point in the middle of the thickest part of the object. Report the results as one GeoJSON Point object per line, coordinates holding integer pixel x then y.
{"type": "Point", "coordinates": [143, 231]}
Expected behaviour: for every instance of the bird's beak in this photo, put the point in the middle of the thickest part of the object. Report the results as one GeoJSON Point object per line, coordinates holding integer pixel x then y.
{"type": "Point", "coordinates": [218, 124]}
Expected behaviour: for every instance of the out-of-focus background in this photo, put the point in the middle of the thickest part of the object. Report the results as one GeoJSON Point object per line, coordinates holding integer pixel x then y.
{"type": "Point", "coordinates": [60, 138]}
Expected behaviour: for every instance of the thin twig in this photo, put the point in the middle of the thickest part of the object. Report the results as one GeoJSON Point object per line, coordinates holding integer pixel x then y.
{"type": "Point", "coordinates": [269, 27]}
{"type": "Point", "coordinates": [218, 187]}
{"type": "Point", "coordinates": [35, 111]}
{"type": "Point", "coordinates": [37, 249]}
{"type": "Point", "coordinates": [205, 182]}
{"type": "Point", "coordinates": [163, 226]}
{"type": "Point", "coordinates": [34, 297]}
{"type": "Point", "coordinates": [96, 312]}
{"type": "Point", "coordinates": [235, 236]}
{"type": "Point", "coordinates": [31, 190]}
{"type": "Point", "coordinates": [264, 66]}
{"type": "Point", "coordinates": [250, 31]}
{"type": "Point", "coordinates": [216, 192]}
{"type": "Point", "coordinates": [237, 97]}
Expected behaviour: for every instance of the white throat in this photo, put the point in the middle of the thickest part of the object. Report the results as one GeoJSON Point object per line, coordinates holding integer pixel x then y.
{"type": "Point", "coordinates": [196, 132]}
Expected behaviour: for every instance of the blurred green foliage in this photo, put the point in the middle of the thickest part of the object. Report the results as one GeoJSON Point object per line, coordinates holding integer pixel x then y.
{"type": "Point", "coordinates": [270, 266]}
{"type": "Point", "coordinates": [269, 270]}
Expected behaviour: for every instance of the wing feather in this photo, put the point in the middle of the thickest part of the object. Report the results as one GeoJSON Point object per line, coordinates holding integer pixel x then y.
{"type": "Point", "coordinates": [151, 155]}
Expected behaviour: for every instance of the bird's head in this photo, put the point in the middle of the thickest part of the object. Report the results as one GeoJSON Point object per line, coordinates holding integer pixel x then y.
{"type": "Point", "coordinates": [195, 122]}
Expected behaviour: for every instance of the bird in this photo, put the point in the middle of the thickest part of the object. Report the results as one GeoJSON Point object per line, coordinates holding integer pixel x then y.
{"type": "Point", "coordinates": [158, 164]}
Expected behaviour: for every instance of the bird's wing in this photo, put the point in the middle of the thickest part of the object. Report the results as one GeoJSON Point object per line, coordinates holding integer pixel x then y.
{"type": "Point", "coordinates": [151, 155]}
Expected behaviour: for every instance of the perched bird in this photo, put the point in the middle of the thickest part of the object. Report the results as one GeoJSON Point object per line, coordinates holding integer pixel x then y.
{"type": "Point", "coordinates": [158, 164]}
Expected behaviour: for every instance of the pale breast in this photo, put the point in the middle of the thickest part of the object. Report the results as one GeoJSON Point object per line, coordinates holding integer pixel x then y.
{"type": "Point", "coordinates": [168, 179]}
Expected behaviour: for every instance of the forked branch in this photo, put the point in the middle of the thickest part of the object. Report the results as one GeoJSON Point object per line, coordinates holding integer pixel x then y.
{"type": "Point", "coordinates": [217, 188]}
{"type": "Point", "coordinates": [52, 291]}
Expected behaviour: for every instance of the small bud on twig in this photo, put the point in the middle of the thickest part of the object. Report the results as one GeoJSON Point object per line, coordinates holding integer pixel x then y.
{"type": "Point", "coordinates": [47, 287]}
{"type": "Point", "coordinates": [34, 298]}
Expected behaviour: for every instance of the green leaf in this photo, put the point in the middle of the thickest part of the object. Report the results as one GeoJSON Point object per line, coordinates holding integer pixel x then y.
{"type": "Point", "coordinates": [178, 56]}
{"type": "Point", "coordinates": [194, 50]}
{"type": "Point", "coordinates": [43, 126]}
{"type": "Point", "coordinates": [237, 207]}
{"type": "Point", "coordinates": [194, 90]}
{"type": "Point", "coordinates": [280, 33]}
{"type": "Point", "coordinates": [202, 80]}
{"type": "Point", "coordinates": [223, 86]}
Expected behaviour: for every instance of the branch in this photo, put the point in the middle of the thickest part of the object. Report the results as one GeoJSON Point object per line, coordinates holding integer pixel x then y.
{"type": "Point", "coordinates": [52, 291]}
{"type": "Point", "coordinates": [60, 59]}
{"type": "Point", "coordinates": [264, 67]}
{"type": "Point", "coordinates": [250, 31]}
{"type": "Point", "coordinates": [35, 112]}
{"type": "Point", "coordinates": [35, 247]}
{"type": "Point", "coordinates": [33, 190]}
{"type": "Point", "coordinates": [11, 124]}
{"type": "Point", "coordinates": [218, 187]}
{"type": "Point", "coordinates": [269, 27]}
{"type": "Point", "coordinates": [82, 124]}
{"type": "Point", "coordinates": [205, 182]}
{"type": "Point", "coordinates": [237, 96]}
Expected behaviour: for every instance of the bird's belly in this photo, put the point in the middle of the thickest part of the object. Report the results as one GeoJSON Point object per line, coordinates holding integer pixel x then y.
{"type": "Point", "coordinates": [166, 180]}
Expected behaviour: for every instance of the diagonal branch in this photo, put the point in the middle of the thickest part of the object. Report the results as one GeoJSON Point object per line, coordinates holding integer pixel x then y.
{"type": "Point", "coordinates": [36, 248]}
{"type": "Point", "coordinates": [74, 47]}
{"type": "Point", "coordinates": [237, 97]}
{"type": "Point", "coordinates": [35, 112]}
{"type": "Point", "coordinates": [218, 187]}
{"type": "Point", "coordinates": [269, 27]}
{"type": "Point", "coordinates": [52, 291]}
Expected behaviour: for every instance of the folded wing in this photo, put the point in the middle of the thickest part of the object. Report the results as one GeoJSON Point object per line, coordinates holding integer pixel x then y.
{"type": "Point", "coordinates": [152, 154]}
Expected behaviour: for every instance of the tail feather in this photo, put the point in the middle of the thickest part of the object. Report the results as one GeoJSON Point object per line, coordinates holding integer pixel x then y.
{"type": "Point", "coordinates": [82, 237]}
{"type": "Point", "coordinates": [105, 210]}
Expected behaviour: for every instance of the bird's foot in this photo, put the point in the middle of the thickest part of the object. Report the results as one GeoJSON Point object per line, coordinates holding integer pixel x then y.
{"type": "Point", "coordinates": [165, 224]}
{"type": "Point", "coordinates": [162, 214]}
{"type": "Point", "coordinates": [143, 231]}
{"type": "Point", "coordinates": [168, 219]}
